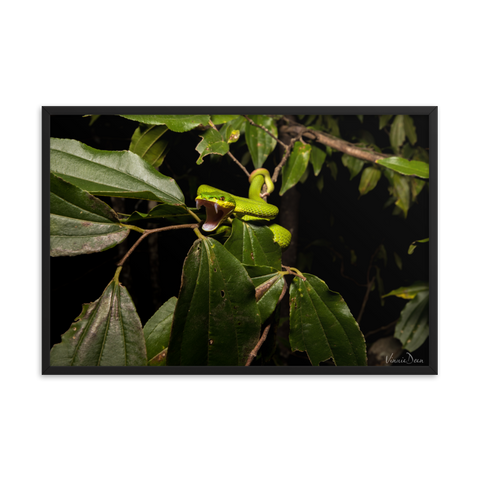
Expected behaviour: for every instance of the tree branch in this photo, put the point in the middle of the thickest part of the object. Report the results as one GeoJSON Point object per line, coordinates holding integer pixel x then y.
{"type": "Point", "coordinates": [333, 142]}
{"type": "Point", "coordinates": [288, 150]}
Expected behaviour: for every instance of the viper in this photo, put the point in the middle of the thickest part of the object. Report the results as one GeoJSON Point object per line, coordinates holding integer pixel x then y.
{"type": "Point", "coordinates": [219, 205]}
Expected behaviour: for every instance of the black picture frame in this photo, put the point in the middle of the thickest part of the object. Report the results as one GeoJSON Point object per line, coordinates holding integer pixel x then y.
{"type": "Point", "coordinates": [431, 369]}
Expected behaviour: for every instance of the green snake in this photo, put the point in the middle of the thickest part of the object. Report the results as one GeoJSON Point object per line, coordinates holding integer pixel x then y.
{"type": "Point", "coordinates": [219, 205]}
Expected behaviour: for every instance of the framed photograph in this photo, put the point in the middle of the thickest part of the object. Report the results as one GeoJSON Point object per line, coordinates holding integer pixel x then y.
{"type": "Point", "coordinates": [239, 240]}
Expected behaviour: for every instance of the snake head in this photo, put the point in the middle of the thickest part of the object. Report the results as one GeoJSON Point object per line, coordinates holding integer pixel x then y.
{"type": "Point", "coordinates": [218, 205]}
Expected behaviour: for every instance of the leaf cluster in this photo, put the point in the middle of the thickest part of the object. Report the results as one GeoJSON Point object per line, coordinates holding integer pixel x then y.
{"type": "Point", "coordinates": [231, 285]}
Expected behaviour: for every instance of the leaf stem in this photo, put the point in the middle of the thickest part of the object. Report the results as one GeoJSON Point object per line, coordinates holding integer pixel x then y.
{"type": "Point", "coordinates": [117, 274]}
{"type": "Point", "coordinates": [294, 271]}
{"type": "Point", "coordinates": [133, 227]}
{"type": "Point", "coordinates": [194, 215]}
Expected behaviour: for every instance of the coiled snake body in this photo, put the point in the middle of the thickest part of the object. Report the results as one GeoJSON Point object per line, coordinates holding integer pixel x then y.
{"type": "Point", "coordinates": [219, 205]}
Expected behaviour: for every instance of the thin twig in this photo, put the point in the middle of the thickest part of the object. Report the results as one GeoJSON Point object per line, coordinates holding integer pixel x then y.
{"type": "Point", "coordinates": [254, 352]}
{"type": "Point", "coordinates": [385, 327]}
{"type": "Point", "coordinates": [370, 283]}
{"type": "Point", "coordinates": [286, 154]}
{"type": "Point", "coordinates": [149, 232]}
{"type": "Point", "coordinates": [230, 153]}
{"type": "Point", "coordinates": [265, 130]}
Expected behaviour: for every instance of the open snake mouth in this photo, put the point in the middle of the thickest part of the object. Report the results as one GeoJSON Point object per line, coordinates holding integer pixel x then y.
{"type": "Point", "coordinates": [215, 214]}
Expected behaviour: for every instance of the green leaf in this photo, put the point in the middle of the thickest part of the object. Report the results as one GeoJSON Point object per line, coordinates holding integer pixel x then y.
{"type": "Point", "coordinates": [333, 169]}
{"type": "Point", "coordinates": [360, 117]}
{"type": "Point", "coordinates": [408, 293]}
{"type": "Point", "coordinates": [398, 260]}
{"type": "Point", "coordinates": [384, 119]}
{"type": "Point", "coordinates": [413, 245]}
{"type": "Point", "coordinates": [321, 324]}
{"type": "Point", "coordinates": [212, 142]}
{"type": "Point", "coordinates": [254, 245]}
{"type": "Point", "coordinates": [405, 167]}
{"type": "Point", "coordinates": [353, 164]}
{"type": "Point", "coordinates": [216, 320]}
{"type": "Point", "coordinates": [416, 187]}
{"type": "Point", "coordinates": [230, 129]}
{"type": "Point", "coordinates": [317, 158]}
{"type": "Point", "coordinates": [401, 190]}
{"type": "Point", "coordinates": [147, 142]}
{"type": "Point", "coordinates": [157, 329]}
{"type": "Point", "coordinates": [410, 129]}
{"type": "Point", "coordinates": [268, 284]}
{"type": "Point", "coordinates": [369, 179]}
{"type": "Point", "coordinates": [114, 174]}
{"type": "Point", "coordinates": [397, 133]}
{"type": "Point", "coordinates": [296, 165]}
{"type": "Point", "coordinates": [79, 222]}
{"type": "Point", "coordinates": [108, 332]}
{"type": "Point", "coordinates": [177, 123]}
{"type": "Point", "coordinates": [260, 144]}
{"type": "Point", "coordinates": [413, 327]}
{"type": "Point", "coordinates": [320, 184]}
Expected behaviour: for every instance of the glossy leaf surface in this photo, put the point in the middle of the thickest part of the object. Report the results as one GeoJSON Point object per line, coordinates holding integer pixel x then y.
{"type": "Point", "coordinates": [115, 174]}
{"type": "Point", "coordinates": [108, 332]}
{"type": "Point", "coordinates": [253, 245]}
{"type": "Point", "coordinates": [79, 222]}
{"type": "Point", "coordinates": [321, 324]}
{"type": "Point", "coordinates": [405, 167]}
{"type": "Point", "coordinates": [216, 320]}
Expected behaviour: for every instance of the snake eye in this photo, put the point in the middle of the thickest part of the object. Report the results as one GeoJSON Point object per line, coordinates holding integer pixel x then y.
{"type": "Point", "coordinates": [222, 199]}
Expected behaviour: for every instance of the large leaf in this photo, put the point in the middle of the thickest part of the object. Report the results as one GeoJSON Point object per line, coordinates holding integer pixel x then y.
{"type": "Point", "coordinates": [321, 324]}
{"type": "Point", "coordinates": [410, 129]}
{"type": "Point", "coordinates": [216, 320]}
{"type": "Point", "coordinates": [115, 174]}
{"type": "Point", "coordinates": [149, 142]}
{"type": "Point", "coordinates": [157, 329]}
{"type": "Point", "coordinates": [79, 222]}
{"type": "Point", "coordinates": [231, 130]}
{"type": "Point", "coordinates": [384, 119]}
{"type": "Point", "coordinates": [260, 143]}
{"type": "Point", "coordinates": [108, 332]}
{"type": "Point", "coordinates": [219, 119]}
{"type": "Point", "coordinates": [405, 167]}
{"type": "Point", "coordinates": [413, 327]}
{"type": "Point", "coordinates": [296, 164]}
{"type": "Point", "coordinates": [177, 123]}
{"type": "Point", "coordinates": [254, 245]}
